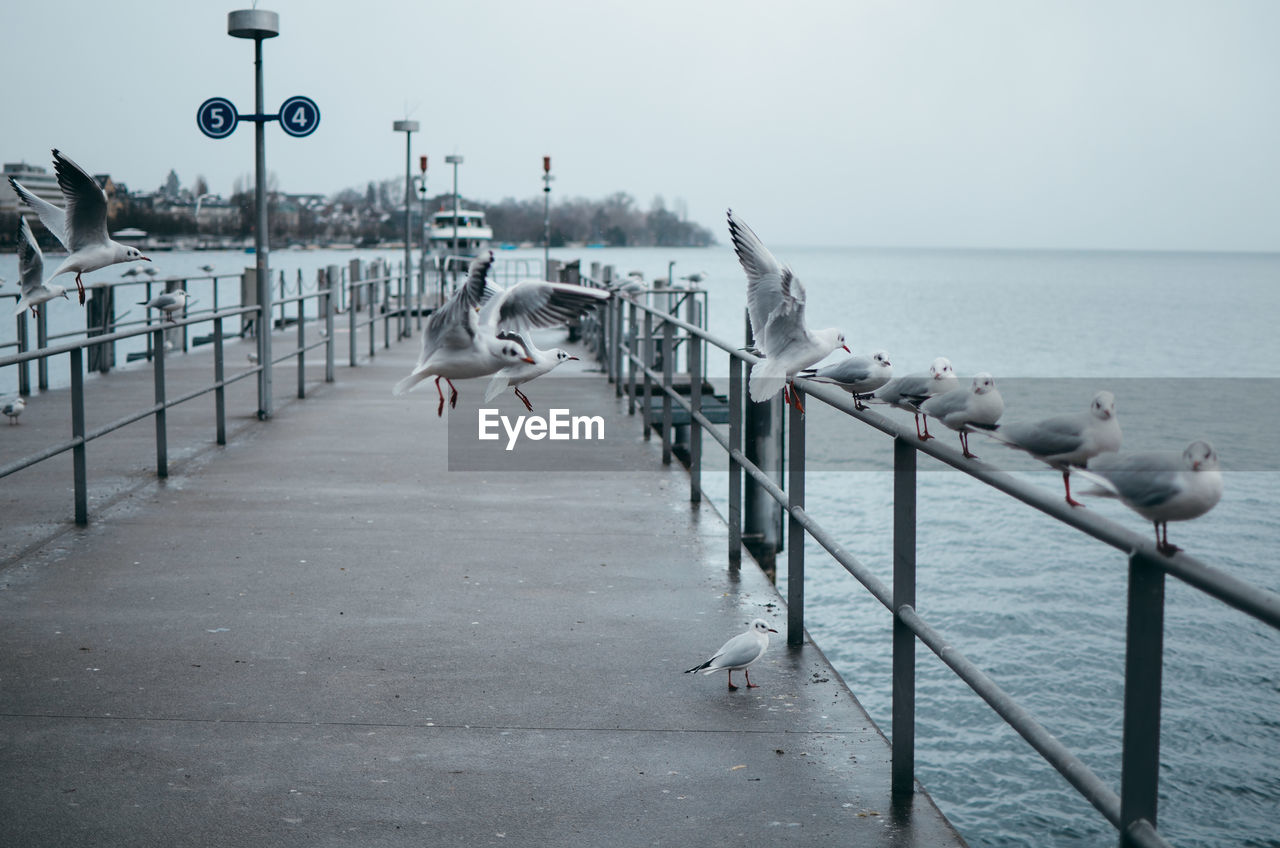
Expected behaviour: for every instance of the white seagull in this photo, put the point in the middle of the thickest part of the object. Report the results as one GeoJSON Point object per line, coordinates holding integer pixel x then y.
{"type": "Point", "coordinates": [31, 273]}
{"type": "Point", "coordinates": [1068, 440]}
{"type": "Point", "coordinates": [13, 409]}
{"type": "Point", "coordinates": [167, 302]}
{"type": "Point", "coordinates": [739, 652]}
{"type": "Point", "coordinates": [1161, 486]}
{"type": "Point", "coordinates": [82, 225]}
{"type": "Point", "coordinates": [911, 390]}
{"type": "Point", "coordinates": [980, 405]}
{"type": "Point", "coordinates": [857, 375]}
{"type": "Point", "coordinates": [514, 376]}
{"type": "Point", "coordinates": [455, 345]}
{"type": "Point", "coordinates": [775, 306]}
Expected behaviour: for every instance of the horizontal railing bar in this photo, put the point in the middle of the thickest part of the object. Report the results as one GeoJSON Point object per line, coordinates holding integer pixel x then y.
{"type": "Point", "coordinates": [39, 456]}
{"type": "Point", "coordinates": [1144, 835]}
{"type": "Point", "coordinates": [1079, 775]}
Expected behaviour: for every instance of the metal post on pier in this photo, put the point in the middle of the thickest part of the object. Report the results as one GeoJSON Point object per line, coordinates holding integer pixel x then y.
{"type": "Point", "coordinates": [24, 345]}
{"type": "Point", "coordinates": [302, 348]}
{"type": "Point", "coordinates": [1144, 659]}
{"type": "Point", "coordinates": [633, 350]}
{"type": "Point", "coordinates": [327, 303]}
{"type": "Point", "coordinates": [795, 532]}
{"type": "Point", "coordinates": [80, 474]}
{"type": "Point", "coordinates": [694, 356]}
{"type": "Point", "coordinates": [648, 360]}
{"type": "Point", "coordinates": [408, 128]}
{"type": "Point", "coordinates": [42, 341]}
{"type": "Point", "coordinates": [903, 739]}
{"type": "Point", "coordinates": [735, 469]}
{"type": "Point", "coordinates": [162, 441]}
{"type": "Point", "coordinates": [762, 515]}
{"type": "Point", "coordinates": [668, 367]}
{"type": "Point", "coordinates": [219, 391]}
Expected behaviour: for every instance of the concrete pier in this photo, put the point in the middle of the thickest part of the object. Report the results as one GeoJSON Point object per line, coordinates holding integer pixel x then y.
{"type": "Point", "coordinates": [318, 635]}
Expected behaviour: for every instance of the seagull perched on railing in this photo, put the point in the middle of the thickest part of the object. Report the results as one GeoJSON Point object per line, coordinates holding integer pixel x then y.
{"type": "Point", "coordinates": [1069, 440]}
{"type": "Point", "coordinates": [775, 306]}
{"type": "Point", "coordinates": [82, 225]}
{"type": "Point", "coordinates": [980, 405]}
{"type": "Point", "coordinates": [31, 273]}
{"type": "Point", "coordinates": [739, 652]}
{"type": "Point", "coordinates": [1161, 486]}
{"type": "Point", "coordinates": [857, 375]}
{"type": "Point", "coordinates": [167, 302]}
{"type": "Point", "coordinates": [911, 390]}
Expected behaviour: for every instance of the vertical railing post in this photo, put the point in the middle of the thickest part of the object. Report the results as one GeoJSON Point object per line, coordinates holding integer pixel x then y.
{"type": "Point", "coordinates": [42, 341]}
{"type": "Point", "coordinates": [162, 441]}
{"type": "Point", "coordinates": [633, 351]}
{"type": "Point", "coordinates": [79, 469]}
{"type": "Point", "coordinates": [648, 360]}
{"type": "Point", "coordinates": [330, 347]}
{"type": "Point", "coordinates": [763, 425]}
{"type": "Point", "coordinates": [616, 352]}
{"type": "Point", "coordinates": [735, 470]}
{"type": "Point", "coordinates": [668, 385]}
{"type": "Point", "coordinates": [904, 595]}
{"type": "Point", "coordinates": [353, 299]}
{"type": "Point", "coordinates": [373, 318]}
{"type": "Point", "coordinates": [695, 428]}
{"type": "Point", "coordinates": [219, 391]}
{"type": "Point", "coordinates": [24, 344]}
{"type": "Point", "coordinates": [1144, 662]}
{"type": "Point", "coordinates": [795, 533]}
{"type": "Point", "coordinates": [302, 347]}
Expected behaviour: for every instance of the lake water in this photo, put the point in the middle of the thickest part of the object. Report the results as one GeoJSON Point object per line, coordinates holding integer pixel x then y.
{"type": "Point", "coordinates": [1187, 343]}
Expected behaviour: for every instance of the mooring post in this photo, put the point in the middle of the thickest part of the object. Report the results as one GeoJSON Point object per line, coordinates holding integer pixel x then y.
{"type": "Point", "coordinates": [903, 740]}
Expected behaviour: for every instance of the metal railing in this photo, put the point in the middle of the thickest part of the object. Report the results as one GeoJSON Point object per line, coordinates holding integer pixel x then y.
{"type": "Point", "coordinates": [75, 351]}
{"type": "Point", "coordinates": [634, 336]}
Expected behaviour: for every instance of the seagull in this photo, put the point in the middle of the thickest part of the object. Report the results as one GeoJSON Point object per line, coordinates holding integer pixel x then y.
{"type": "Point", "coordinates": [521, 373]}
{"type": "Point", "coordinates": [149, 271]}
{"type": "Point", "coordinates": [13, 409]}
{"type": "Point", "coordinates": [208, 269]}
{"type": "Point", "coordinates": [454, 343]}
{"type": "Point", "coordinates": [1161, 486]}
{"type": "Point", "coordinates": [31, 273]}
{"type": "Point", "coordinates": [775, 305]}
{"type": "Point", "coordinates": [908, 392]}
{"type": "Point", "coordinates": [980, 405]}
{"type": "Point", "coordinates": [739, 652]}
{"type": "Point", "coordinates": [167, 302]}
{"type": "Point", "coordinates": [696, 277]}
{"type": "Point", "coordinates": [1067, 440]}
{"type": "Point", "coordinates": [857, 375]}
{"type": "Point", "coordinates": [82, 225]}
{"type": "Point", "coordinates": [132, 272]}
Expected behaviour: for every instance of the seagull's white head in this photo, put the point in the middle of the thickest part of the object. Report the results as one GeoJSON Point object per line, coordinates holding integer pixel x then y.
{"type": "Point", "coordinates": [761, 626]}
{"type": "Point", "coordinates": [58, 291]}
{"type": "Point", "coordinates": [983, 383]}
{"type": "Point", "coordinates": [130, 254]}
{"type": "Point", "coordinates": [941, 368]}
{"type": "Point", "coordinates": [833, 337]}
{"type": "Point", "coordinates": [562, 355]}
{"type": "Point", "coordinates": [881, 359]}
{"type": "Point", "coordinates": [1201, 456]}
{"type": "Point", "coordinates": [1104, 406]}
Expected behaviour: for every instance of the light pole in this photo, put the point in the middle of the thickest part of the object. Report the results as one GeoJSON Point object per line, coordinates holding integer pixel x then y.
{"type": "Point", "coordinates": [408, 128]}
{"type": "Point", "coordinates": [259, 24]}
{"type": "Point", "coordinates": [546, 214]}
{"type": "Point", "coordinates": [455, 160]}
{"type": "Point", "coordinates": [421, 182]}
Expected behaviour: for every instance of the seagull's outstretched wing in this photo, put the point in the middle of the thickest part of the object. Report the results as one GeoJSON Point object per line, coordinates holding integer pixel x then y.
{"type": "Point", "coordinates": [775, 297]}
{"type": "Point", "coordinates": [534, 304]}
{"type": "Point", "coordinates": [30, 260]}
{"type": "Point", "coordinates": [86, 207]}
{"type": "Point", "coordinates": [53, 218]}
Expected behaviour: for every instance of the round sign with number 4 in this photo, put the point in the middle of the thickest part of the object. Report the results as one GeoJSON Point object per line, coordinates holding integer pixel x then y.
{"type": "Point", "coordinates": [299, 116]}
{"type": "Point", "coordinates": [217, 117]}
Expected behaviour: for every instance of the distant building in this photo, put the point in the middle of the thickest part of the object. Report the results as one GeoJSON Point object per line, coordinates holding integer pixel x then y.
{"type": "Point", "coordinates": [39, 181]}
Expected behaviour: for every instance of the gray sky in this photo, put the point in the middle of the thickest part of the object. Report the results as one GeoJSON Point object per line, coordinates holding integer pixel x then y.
{"type": "Point", "coordinates": [863, 122]}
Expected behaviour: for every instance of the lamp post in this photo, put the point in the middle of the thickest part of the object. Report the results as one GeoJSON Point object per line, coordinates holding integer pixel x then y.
{"type": "Point", "coordinates": [421, 182]}
{"type": "Point", "coordinates": [408, 128]}
{"type": "Point", "coordinates": [455, 160]}
{"type": "Point", "coordinates": [546, 214]}
{"type": "Point", "coordinates": [259, 24]}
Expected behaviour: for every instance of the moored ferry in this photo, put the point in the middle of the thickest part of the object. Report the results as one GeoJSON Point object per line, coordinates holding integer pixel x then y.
{"type": "Point", "coordinates": [465, 234]}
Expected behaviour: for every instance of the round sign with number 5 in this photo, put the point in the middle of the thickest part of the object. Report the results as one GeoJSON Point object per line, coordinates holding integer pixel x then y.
{"type": "Point", "coordinates": [217, 117]}
{"type": "Point", "coordinates": [299, 116]}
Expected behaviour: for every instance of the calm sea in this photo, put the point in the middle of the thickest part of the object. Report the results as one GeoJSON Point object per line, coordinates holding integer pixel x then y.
{"type": "Point", "coordinates": [1187, 343]}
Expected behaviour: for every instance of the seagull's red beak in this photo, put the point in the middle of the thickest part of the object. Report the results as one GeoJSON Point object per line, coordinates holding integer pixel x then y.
{"type": "Point", "coordinates": [527, 359]}
{"type": "Point", "coordinates": [846, 348]}
{"type": "Point", "coordinates": [573, 357]}
{"type": "Point", "coordinates": [147, 258]}
{"type": "Point", "coordinates": [771, 630]}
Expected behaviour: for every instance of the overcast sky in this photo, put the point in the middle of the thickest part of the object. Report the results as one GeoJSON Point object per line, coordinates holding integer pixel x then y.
{"type": "Point", "coordinates": [1152, 125]}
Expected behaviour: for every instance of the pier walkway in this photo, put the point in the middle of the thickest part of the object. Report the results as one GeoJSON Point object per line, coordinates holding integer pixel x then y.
{"type": "Point", "coordinates": [318, 635]}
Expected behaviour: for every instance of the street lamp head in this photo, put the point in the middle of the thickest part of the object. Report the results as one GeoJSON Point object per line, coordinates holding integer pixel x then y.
{"type": "Point", "coordinates": [453, 159]}
{"type": "Point", "coordinates": [253, 23]}
{"type": "Point", "coordinates": [405, 126]}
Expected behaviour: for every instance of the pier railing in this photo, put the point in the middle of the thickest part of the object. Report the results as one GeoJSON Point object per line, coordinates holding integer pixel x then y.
{"type": "Point", "coordinates": [636, 339]}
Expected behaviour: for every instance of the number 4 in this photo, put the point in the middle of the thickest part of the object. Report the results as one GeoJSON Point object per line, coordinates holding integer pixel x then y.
{"type": "Point", "coordinates": [300, 117]}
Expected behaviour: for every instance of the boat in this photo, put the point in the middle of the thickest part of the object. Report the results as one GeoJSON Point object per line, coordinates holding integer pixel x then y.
{"type": "Point", "coordinates": [466, 234]}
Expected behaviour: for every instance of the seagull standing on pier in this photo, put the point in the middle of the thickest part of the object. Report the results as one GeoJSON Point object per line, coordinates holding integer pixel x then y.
{"type": "Point", "coordinates": [908, 392]}
{"type": "Point", "coordinates": [775, 306]}
{"type": "Point", "coordinates": [739, 652]}
{"type": "Point", "coordinates": [31, 273]}
{"type": "Point", "coordinates": [456, 346]}
{"type": "Point", "coordinates": [82, 225]}
{"type": "Point", "coordinates": [857, 375]}
{"type": "Point", "coordinates": [1069, 440]}
{"type": "Point", "coordinates": [1161, 486]}
{"type": "Point", "coordinates": [13, 409]}
{"type": "Point", "coordinates": [980, 405]}
{"type": "Point", "coordinates": [167, 302]}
